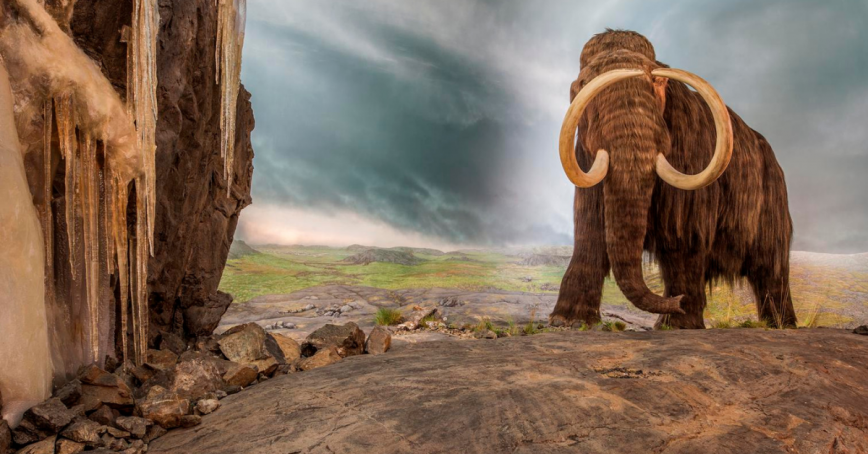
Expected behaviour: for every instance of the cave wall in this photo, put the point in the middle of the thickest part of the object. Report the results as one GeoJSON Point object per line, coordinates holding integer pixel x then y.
{"type": "Point", "coordinates": [195, 219]}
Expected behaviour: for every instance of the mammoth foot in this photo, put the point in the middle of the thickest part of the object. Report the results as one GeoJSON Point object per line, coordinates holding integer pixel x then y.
{"type": "Point", "coordinates": [560, 320]}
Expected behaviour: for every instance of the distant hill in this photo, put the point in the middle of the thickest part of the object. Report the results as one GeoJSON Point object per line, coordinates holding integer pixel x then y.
{"type": "Point", "coordinates": [419, 250]}
{"type": "Point", "coordinates": [545, 260]}
{"type": "Point", "coordinates": [359, 248]}
{"type": "Point", "coordinates": [239, 249]}
{"type": "Point", "coordinates": [384, 256]}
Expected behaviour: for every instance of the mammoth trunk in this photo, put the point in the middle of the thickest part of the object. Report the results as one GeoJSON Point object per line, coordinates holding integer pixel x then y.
{"type": "Point", "coordinates": [632, 136]}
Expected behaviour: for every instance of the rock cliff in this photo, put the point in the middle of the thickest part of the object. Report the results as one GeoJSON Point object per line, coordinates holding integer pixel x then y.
{"type": "Point", "coordinates": [195, 220]}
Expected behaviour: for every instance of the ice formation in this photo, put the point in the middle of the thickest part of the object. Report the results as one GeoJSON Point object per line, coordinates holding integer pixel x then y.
{"type": "Point", "coordinates": [104, 149]}
{"type": "Point", "coordinates": [230, 41]}
{"type": "Point", "coordinates": [23, 382]}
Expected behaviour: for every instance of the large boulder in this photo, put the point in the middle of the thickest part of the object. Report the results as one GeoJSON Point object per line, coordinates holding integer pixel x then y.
{"type": "Point", "coordinates": [323, 357]}
{"type": "Point", "coordinates": [85, 431]}
{"type": "Point", "coordinates": [347, 339]}
{"type": "Point", "coordinates": [240, 375]}
{"type": "Point", "coordinates": [379, 341]}
{"type": "Point", "coordinates": [197, 375]}
{"type": "Point", "coordinates": [45, 446]}
{"type": "Point", "coordinates": [246, 344]}
{"type": "Point", "coordinates": [51, 415]}
{"type": "Point", "coordinates": [104, 387]}
{"type": "Point", "coordinates": [164, 407]}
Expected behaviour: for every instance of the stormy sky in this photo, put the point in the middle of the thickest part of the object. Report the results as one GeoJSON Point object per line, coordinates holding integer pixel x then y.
{"type": "Point", "coordinates": [435, 123]}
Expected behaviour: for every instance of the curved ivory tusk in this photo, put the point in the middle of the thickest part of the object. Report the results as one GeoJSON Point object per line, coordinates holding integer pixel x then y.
{"type": "Point", "coordinates": [722, 124]}
{"type": "Point", "coordinates": [571, 122]}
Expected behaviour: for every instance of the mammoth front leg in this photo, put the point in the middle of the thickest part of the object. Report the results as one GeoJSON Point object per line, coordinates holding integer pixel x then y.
{"type": "Point", "coordinates": [582, 286]}
{"type": "Point", "coordinates": [683, 273]}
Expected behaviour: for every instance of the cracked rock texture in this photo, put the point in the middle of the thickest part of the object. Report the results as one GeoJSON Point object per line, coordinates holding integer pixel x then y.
{"type": "Point", "coordinates": [713, 391]}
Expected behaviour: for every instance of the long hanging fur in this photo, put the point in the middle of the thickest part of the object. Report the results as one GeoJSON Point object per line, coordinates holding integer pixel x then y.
{"type": "Point", "coordinates": [737, 227]}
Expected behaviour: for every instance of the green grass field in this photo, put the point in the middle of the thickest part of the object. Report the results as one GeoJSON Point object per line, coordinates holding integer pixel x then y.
{"type": "Point", "coordinates": [821, 296]}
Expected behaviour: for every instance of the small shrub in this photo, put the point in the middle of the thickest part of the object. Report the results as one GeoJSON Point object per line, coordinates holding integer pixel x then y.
{"type": "Point", "coordinates": [424, 322]}
{"type": "Point", "coordinates": [584, 327]}
{"type": "Point", "coordinates": [614, 327]}
{"type": "Point", "coordinates": [484, 325]}
{"type": "Point", "coordinates": [388, 317]}
{"type": "Point", "coordinates": [530, 329]}
{"type": "Point", "coordinates": [753, 324]}
{"type": "Point", "coordinates": [722, 324]}
{"type": "Point", "coordinates": [665, 328]}
{"type": "Point", "coordinates": [512, 328]}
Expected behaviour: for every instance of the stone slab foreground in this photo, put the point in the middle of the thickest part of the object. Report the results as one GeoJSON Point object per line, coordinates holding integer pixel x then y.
{"type": "Point", "coordinates": [712, 391]}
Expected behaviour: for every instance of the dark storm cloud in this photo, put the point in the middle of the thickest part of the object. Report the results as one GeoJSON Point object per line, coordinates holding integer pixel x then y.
{"type": "Point", "coordinates": [441, 117]}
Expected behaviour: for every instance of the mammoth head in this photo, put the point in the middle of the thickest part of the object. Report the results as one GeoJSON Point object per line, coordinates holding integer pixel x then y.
{"type": "Point", "coordinates": [617, 56]}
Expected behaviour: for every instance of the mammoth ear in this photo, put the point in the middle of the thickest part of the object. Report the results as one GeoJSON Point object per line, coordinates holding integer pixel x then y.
{"type": "Point", "coordinates": [660, 84]}
{"type": "Point", "coordinates": [574, 89]}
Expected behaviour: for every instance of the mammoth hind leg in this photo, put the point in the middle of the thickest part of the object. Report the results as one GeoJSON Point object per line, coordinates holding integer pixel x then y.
{"type": "Point", "coordinates": [683, 273]}
{"type": "Point", "coordinates": [773, 300]}
{"type": "Point", "coordinates": [582, 286]}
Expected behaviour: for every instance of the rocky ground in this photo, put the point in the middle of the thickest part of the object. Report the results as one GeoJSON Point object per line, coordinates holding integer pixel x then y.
{"type": "Point", "coordinates": [124, 407]}
{"type": "Point", "coordinates": [297, 314]}
{"type": "Point", "coordinates": [747, 390]}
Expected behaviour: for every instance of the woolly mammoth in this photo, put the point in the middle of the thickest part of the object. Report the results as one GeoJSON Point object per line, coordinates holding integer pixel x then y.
{"type": "Point", "coordinates": [721, 216]}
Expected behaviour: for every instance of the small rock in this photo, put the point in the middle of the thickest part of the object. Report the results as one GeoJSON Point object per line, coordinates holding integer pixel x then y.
{"type": "Point", "coordinates": [485, 334]}
{"type": "Point", "coordinates": [232, 389]}
{"type": "Point", "coordinates": [207, 406]}
{"type": "Point", "coordinates": [27, 433]}
{"type": "Point", "coordinates": [220, 394]}
{"type": "Point", "coordinates": [323, 357]}
{"type": "Point", "coordinates": [240, 375]}
{"type": "Point", "coordinates": [346, 309]}
{"type": "Point", "coordinates": [70, 393]}
{"type": "Point", "coordinates": [113, 443]}
{"type": "Point", "coordinates": [863, 330]}
{"type": "Point", "coordinates": [188, 421]}
{"type": "Point", "coordinates": [164, 407]}
{"type": "Point", "coordinates": [51, 415]}
{"type": "Point", "coordinates": [117, 433]}
{"type": "Point", "coordinates": [347, 339]}
{"type": "Point", "coordinates": [5, 437]}
{"type": "Point", "coordinates": [65, 446]}
{"type": "Point", "coordinates": [85, 431]}
{"type": "Point", "coordinates": [172, 342]}
{"type": "Point", "coordinates": [153, 433]}
{"type": "Point", "coordinates": [308, 307]}
{"type": "Point", "coordinates": [43, 447]}
{"type": "Point", "coordinates": [137, 447]}
{"type": "Point", "coordinates": [290, 348]}
{"type": "Point", "coordinates": [161, 359]}
{"type": "Point", "coordinates": [379, 341]}
{"type": "Point", "coordinates": [104, 415]}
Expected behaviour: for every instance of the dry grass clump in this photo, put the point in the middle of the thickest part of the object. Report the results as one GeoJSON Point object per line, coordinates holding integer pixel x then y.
{"type": "Point", "coordinates": [388, 317]}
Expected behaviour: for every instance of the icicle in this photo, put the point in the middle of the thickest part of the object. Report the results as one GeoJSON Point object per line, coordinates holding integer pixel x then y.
{"type": "Point", "coordinates": [120, 199]}
{"type": "Point", "coordinates": [142, 98]}
{"type": "Point", "coordinates": [47, 218]}
{"type": "Point", "coordinates": [90, 215]}
{"type": "Point", "coordinates": [139, 279]}
{"type": "Point", "coordinates": [230, 42]}
{"type": "Point", "coordinates": [66, 136]}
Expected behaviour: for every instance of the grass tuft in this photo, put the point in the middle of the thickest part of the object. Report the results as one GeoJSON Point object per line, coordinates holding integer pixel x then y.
{"type": "Point", "coordinates": [388, 317]}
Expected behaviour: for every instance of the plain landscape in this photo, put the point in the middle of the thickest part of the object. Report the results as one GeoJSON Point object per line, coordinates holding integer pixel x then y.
{"type": "Point", "coordinates": [829, 290]}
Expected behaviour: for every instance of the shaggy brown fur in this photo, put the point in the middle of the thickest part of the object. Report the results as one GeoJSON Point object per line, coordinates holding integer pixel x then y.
{"type": "Point", "coordinates": [737, 227]}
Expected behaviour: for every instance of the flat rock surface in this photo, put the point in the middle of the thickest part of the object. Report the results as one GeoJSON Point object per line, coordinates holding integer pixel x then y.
{"type": "Point", "coordinates": [713, 391]}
